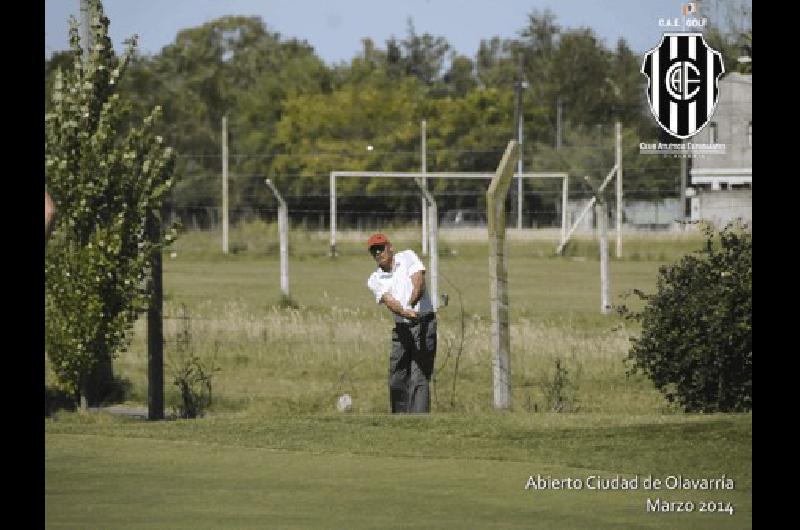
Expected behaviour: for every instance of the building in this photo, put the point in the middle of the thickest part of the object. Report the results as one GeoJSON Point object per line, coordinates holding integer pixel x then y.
{"type": "Point", "coordinates": [722, 184]}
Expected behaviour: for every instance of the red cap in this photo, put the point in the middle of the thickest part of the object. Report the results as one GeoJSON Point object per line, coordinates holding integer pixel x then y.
{"type": "Point", "coordinates": [377, 239]}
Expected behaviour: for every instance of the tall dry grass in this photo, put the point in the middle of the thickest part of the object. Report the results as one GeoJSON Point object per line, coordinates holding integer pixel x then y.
{"type": "Point", "coordinates": [296, 360]}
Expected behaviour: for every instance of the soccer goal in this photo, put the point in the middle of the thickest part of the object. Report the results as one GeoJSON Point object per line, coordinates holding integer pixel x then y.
{"type": "Point", "coordinates": [334, 175]}
{"type": "Point", "coordinates": [430, 225]}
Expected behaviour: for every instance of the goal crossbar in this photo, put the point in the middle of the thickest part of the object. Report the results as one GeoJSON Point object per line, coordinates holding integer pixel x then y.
{"type": "Point", "coordinates": [425, 175]}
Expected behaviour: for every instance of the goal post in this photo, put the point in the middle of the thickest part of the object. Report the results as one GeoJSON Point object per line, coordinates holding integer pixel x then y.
{"type": "Point", "coordinates": [335, 175]}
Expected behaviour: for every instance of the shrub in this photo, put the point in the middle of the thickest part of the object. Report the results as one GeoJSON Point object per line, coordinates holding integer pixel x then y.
{"type": "Point", "coordinates": [193, 380]}
{"type": "Point", "coordinates": [696, 342]}
{"type": "Point", "coordinates": [558, 391]}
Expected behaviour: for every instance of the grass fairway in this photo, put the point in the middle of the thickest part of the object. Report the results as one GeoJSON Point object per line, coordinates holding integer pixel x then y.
{"type": "Point", "coordinates": [274, 453]}
{"type": "Point", "coordinates": [337, 472]}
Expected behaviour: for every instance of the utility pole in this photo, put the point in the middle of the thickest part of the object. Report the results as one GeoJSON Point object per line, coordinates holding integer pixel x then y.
{"type": "Point", "coordinates": [424, 169]}
{"type": "Point", "coordinates": [520, 85]}
{"type": "Point", "coordinates": [683, 182]}
{"type": "Point", "coordinates": [225, 184]}
{"type": "Point", "coordinates": [558, 124]}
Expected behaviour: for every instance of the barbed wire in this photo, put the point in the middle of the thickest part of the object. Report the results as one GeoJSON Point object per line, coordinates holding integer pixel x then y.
{"type": "Point", "coordinates": [573, 172]}
{"type": "Point", "coordinates": [455, 193]}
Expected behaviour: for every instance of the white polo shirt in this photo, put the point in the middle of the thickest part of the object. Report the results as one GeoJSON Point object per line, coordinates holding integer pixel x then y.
{"type": "Point", "coordinates": [398, 283]}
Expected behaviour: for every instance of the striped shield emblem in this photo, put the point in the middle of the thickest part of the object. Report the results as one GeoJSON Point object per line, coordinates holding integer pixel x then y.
{"type": "Point", "coordinates": [682, 74]}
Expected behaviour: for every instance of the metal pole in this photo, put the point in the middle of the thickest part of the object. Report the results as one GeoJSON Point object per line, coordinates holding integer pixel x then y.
{"type": "Point", "coordinates": [155, 332]}
{"type": "Point", "coordinates": [619, 189]}
{"type": "Point", "coordinates": [424, 169]}
{"type": "Point", "coordinates": [225, 184]}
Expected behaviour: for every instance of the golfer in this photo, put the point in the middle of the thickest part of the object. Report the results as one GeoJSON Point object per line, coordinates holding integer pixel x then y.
{"type": "Point", "coordinates": [399, 284]}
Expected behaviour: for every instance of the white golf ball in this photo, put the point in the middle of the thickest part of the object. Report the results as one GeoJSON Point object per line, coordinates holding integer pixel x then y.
{"type": "Point", "coordinates": [370, 148]}
{"type": "Point", "coordinates": [345, 403]}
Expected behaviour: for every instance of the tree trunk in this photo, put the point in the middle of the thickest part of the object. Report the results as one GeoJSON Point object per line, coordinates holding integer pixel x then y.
{"type": "Point", "coordinates": [99, 384]}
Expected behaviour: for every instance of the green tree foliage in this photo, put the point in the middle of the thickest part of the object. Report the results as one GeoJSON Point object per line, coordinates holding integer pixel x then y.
{"type": "Point", "coordinates": [730, 32]}
{"type": "Point", "coordinates": [322, 132]}
{"type": "Point", "coordinates": [696, 343]}
{"type": "Point", "coordinates": [59, 61]}
{"type": "Point", "coordinates": [231, 66]}
{"type": "Point", "coordinates": [294, 119]}
{"type": "Point", "coordinates": [424, 55]}
{"type": "Point", "coordinates": [105, 178]}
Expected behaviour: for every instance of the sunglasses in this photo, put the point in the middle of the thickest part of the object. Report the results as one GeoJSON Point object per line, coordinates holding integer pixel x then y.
{"type": "Point", "coordinates": [374, 250]}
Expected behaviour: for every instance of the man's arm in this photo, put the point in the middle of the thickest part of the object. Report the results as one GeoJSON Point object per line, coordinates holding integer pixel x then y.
{"type": "Point", "coordinates": [49, 214]}
{"type": "Point", "coordinates": [418, 281]}
{"type": "Point", "coordinates": [396, 307]}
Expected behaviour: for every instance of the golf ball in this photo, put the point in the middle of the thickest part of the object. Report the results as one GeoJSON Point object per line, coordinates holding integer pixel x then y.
{"type": "Point", "coordinates": [345, 403]}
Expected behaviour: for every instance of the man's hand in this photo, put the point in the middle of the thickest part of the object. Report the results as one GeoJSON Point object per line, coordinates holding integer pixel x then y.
{"type": "Point", "coordinates": [397, 308]}
{"type": "Point", "coordinates": [409, 313]}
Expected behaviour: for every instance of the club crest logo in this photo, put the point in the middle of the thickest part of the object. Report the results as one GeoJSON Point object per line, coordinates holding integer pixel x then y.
{"type": "Point", "coordinates": [683, 74]}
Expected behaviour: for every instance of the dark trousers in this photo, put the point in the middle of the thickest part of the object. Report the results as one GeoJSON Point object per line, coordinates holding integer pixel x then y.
{"type": "Point", "coordinates": [411, 366]}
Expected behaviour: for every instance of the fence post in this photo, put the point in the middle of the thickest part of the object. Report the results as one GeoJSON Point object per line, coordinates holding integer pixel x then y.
{"type": "Point", "coordinates": [498, 277]}
{"type": "Point", "coordinates": [155, 331]}
{"type": "Point", "coordinates": [283, 230]}
{"type": "Point", "coordinates": [333, 214]}
{"type": "Point", "coordinates": [225, 184]}
{"type": "Point", "coordinates": [564, 204]}
{"type": "Point", "coordinates": [619, 189]}
{"type": "Point", "coordinates": [602, 225]}
{"type": "Point", "coordinates": [433, 218]}
{"type": "Point", "coordinates": [586, 209]}
{"type": "Point", "coordinates": [601, 213]}
{"type": "Point", "coordinates": [424, 163]}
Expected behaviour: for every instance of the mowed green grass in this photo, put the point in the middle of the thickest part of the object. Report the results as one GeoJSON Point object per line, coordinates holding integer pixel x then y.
{"type": "Point", "coordinates": [367, 471]}
{"type": "Point", "coordinates": [274, 453]}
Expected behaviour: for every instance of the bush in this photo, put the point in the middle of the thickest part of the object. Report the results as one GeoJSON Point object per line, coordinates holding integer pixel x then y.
{"type": "Point", "coordinates": [193, 380]}
{"type": "Point", "coordinates": [696, 343]}
{"type": "Point", "coordinates": [558, 391]}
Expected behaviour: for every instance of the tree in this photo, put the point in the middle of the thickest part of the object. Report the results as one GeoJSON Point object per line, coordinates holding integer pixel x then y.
{"type": "Point", "coordinates": [319, 133]}
{"type": "Point", "coordinates": [460, 76]}
{"type": "Point", "coordinates": [424, 55]}
{"type": "Point", "coordinates": [233, 65]}
{"type": "Point", "coordinates": [696, 343]}
{"type": "Point", "coordinates": [107, 180]}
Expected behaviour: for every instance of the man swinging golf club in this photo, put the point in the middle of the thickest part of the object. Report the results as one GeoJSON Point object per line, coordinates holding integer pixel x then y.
{"type": "Point", "coordinates": [399, 284]}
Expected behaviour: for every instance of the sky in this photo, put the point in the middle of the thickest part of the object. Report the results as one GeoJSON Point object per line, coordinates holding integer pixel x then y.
{"type": "Point", "coordinates": [335, 28]}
